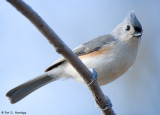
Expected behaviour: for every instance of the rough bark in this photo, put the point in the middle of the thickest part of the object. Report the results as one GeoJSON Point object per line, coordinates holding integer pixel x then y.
{"type": "Point", "coordinates": [63, 49]}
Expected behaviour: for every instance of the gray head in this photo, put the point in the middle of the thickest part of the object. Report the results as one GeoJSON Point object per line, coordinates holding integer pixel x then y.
{"type": "Point", "coordinates": [129, 28]}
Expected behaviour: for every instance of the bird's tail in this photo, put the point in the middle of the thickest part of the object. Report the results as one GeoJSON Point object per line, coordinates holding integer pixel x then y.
{"type": "Point", "coordinates": [23, 90]}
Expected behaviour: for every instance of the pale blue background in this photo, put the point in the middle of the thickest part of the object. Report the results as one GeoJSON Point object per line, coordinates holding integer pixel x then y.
{"type": "Point", "coordinates": [25, 53]}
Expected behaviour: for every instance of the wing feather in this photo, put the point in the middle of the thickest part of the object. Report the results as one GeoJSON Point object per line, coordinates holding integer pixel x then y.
{"type": "Point", "coordinates": [88, 47]}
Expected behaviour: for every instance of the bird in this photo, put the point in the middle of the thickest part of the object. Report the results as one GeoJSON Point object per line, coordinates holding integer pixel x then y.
{"type": "Point", "coordinates": [110, 55]}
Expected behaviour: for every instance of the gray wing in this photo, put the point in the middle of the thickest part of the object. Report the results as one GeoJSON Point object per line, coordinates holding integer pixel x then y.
{"type": "Point", "coordinates": [88, 47]}
{"type": "Point", "coordinates": [94, 45]}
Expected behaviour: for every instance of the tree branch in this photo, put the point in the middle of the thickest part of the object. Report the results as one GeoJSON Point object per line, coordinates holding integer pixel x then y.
{"type": "Point", "coordinates": [63, 49]}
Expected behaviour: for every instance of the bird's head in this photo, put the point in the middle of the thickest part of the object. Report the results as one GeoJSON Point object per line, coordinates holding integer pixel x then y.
{"type": "Point", "coordinates": [130, 28]}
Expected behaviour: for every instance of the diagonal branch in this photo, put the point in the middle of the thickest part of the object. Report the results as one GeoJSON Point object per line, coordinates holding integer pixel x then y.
{"type": "Point", "coordinates": [63, 49]}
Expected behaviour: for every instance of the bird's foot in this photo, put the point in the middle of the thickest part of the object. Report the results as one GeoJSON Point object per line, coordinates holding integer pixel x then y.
{"type": "Point", "coordinates": [108, 104]}
{"type": "Point", "coordinates": [94, 75]}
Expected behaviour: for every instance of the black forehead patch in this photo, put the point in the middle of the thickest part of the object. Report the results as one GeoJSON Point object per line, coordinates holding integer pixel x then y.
{"type": "Point", "coordinates": [132, 19]}
{"type": "Point", "coordinates": [138, 29]}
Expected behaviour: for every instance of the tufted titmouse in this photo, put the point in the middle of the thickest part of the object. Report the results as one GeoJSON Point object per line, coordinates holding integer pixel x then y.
{"type": "Point", "coordinates": [110, 55]}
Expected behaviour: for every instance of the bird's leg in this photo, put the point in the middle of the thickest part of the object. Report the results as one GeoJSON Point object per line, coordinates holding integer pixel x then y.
{"type": "Point", "coordinates": [94, 75]}
{"type": "Point", "coordinates": [93, 78]}
{"type": "Point", "coordinates": [108, 104]}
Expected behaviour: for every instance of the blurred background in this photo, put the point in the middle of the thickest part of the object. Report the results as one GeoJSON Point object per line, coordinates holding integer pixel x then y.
{"type": "Point", "coordinates": [25, 53]}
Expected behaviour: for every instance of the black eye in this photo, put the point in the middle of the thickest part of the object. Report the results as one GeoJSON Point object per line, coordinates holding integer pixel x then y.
{"type": "Point", "coordinates": [127, 27]}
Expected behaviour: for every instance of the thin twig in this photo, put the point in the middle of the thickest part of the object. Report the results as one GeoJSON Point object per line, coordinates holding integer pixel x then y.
{"type": "Point", "coordinates": [63, 49]}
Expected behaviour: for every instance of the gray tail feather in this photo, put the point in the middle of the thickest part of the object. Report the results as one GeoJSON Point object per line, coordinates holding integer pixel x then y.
{"type": "Point", "coordinates": [23, 90]}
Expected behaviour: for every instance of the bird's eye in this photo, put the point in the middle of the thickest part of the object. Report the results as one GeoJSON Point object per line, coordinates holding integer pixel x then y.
{"type": "Point", "coordinates": [127, 28]}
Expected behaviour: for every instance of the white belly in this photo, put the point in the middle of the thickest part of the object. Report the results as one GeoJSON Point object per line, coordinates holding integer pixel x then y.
{"type": "Point", "coordinates": [109, 66]}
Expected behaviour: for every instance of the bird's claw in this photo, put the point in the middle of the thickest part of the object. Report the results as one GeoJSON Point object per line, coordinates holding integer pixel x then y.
{"type": "Point", "coordinates": [94, 75]}
{"type": "Point", "coordinates": [108, 104]}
